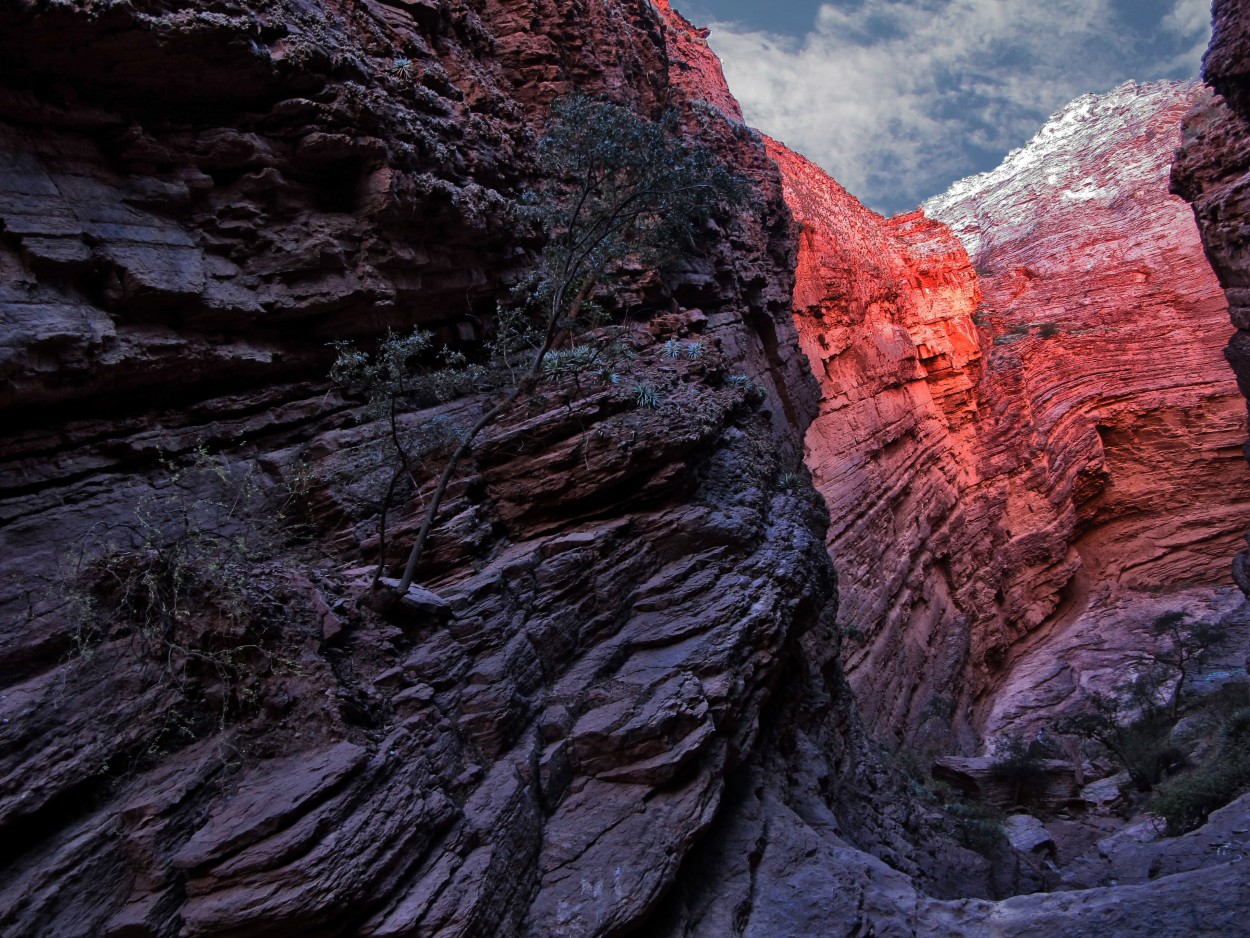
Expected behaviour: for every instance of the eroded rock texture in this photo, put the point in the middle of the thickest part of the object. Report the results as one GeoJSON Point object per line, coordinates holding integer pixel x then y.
{"type": "Point", "coordinates": [194, 202]}
{"type": "Point", "coordinates": [1015, 383]}
{"type": "Point", "coordinates": [1211, 172]}
{"type": "Point", "coordinates": [624, 711]}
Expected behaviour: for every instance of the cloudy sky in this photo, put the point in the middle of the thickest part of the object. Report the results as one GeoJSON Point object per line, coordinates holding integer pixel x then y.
{"type": "Point", "coordinates": [899, 98]}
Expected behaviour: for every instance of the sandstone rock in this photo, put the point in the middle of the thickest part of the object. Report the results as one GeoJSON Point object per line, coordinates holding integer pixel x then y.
{"type": "Point", "coordinates": [1140, 853]}
{"type": "Point", "coordinates": [1028, 835]}
{"type": "Point", "coordinates": [418, 607]}
{"type": "Point", "coordinates": [635, 720]}
{"type": "Point", "coordinates": [1209, 171]}
{"type": "Point", "coordinates": [975, 775]}
{"type": "Point", "coordinates": [627, 586]}
{"type": "Point", "coordinates": [997, 420]}
{"type": "Point", "coordinates": [271, 797]}
{"type": "Point", "coordinates": [777, 871]}
{"type": "Point", "coordinates": [1086, 655]}
{"type": "Point", "coordinates": [1105, 791]}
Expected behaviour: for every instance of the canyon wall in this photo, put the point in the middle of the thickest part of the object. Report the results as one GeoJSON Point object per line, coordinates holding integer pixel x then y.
{"type": "Point", "coordinates": [623, 711]}
{"type": "Point", "coordinates": [193, 203]}
{"type": "Point", "coordinates": [1210, 171]}
{"type": "Point", "coordinates": [1025, 413]}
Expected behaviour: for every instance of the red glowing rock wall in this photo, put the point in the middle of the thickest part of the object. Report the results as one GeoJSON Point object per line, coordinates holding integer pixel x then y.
{"type": "Point", "coordinates": [1024, 413]}
{"type": "Point", "coordinates": [1211, 170]}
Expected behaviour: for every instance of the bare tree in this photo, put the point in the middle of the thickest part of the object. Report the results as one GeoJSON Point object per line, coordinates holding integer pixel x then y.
{"type": "Point", "coordinates": [614, 187]}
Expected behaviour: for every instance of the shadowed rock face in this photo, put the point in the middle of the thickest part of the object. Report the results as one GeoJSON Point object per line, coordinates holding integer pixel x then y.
{"type": "Point", "coordinates": [1210, 172]}
{"type": "Point", "coordinates": [1010, 402]}
{"type": "Point", "coordinates": [193, 203]}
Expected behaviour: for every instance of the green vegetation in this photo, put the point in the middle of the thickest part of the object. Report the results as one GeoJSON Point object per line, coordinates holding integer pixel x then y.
{"type": "Point", "coordinates": [645, 395]}
{"type": "Point", "coordinates": [598, 358]}
{"type": "Point", "coordinates": [397, 379]}
{"type": "Point", "coordinates": [1135, 726]}
{"type": "Point", "coordinates": [1020, 765]}
{"type": "Point", "coordinates": [180, 586]}
{"type": "Point", "coordinates": [617, 192]}
{"type": "Point", "coordinates": [754, 393]}
{"type": "Point", "coordinates": [1186, 800]}
{"type": "Point", "coordinates": [1140, 742]}
{"type": "Point", "coordinates": [1191, 751]}
{"type": "Point", "coordinates": [979, 826]}
{"type": "Point", "coordinates": [674, 348]}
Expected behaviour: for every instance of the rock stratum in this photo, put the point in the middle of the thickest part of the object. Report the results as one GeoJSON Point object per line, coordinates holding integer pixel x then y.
{"type": "Point", "coordinates": [194, 203]}
{"type": "Point", "coordinates": [1210, 172]}
{"type": "Point", "coordinates": [1015, 379]}
{"type": "Point", "coordinates": [625, 710]}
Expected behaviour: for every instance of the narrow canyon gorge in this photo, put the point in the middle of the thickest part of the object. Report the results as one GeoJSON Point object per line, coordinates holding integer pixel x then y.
{"type": "Point", "coordinates": [868, 498]}
{"type": "Point", "coordinates": [1017, 378]}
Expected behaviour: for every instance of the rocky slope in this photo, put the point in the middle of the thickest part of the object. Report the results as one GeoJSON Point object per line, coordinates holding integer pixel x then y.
{"type": "Point", "coordinates": [1006, 402]}
{"type": "Point", "coordinates": [624, 585]}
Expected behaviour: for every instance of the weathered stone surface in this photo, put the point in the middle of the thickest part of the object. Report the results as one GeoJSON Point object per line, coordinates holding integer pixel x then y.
{"type": "Point", "coordinates": [625, 586]}
{"type": "Point", "coordinates": [418, 607]}
{"type": "Point", "coordinates": [634, 719]}
{"type": "Point", "coordinates": [1140, 853]}
{"type": "Point", "coordinates": [776, 868]}
{"type": "Point", "coordinates": [271, 797]}
{"type": "Point", "coordinates": [1086, 655]}
{"type": "Point", "coordinates": [1007, 401]}
{"type": "Point", "coordinates": [1028, 835]}
{"type": "Point", "coordinates": [1057, 785]}
{"type": "Point", "coordinates": [1210, 171]}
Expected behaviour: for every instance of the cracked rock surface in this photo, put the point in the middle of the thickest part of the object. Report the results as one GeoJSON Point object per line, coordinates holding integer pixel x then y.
{"type": "Point", "coordinates": [620, 708]}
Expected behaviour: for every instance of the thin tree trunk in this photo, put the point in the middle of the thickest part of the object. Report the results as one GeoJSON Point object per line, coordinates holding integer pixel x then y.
{"type": "Point", "coordinates": [404, 468]}
{"type": "Point", "coordinates": [436, 501]}
{"type": "Point", "coordinates": [1174, 708]}
{"type": "Point", "coordinates": [386, 507]}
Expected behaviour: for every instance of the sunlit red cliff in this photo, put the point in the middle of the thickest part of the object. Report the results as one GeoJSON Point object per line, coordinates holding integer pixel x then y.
{"type": "Point", "coordinates": [1025, 415]}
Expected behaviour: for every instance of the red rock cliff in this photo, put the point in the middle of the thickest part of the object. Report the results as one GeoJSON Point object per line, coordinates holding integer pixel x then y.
{"type": "Point", "coordinates": [1001, 426]}
{"type": "Point", "coordinates": [1210, 171]}
{"type": "Point", "coordinates": [629, 715]}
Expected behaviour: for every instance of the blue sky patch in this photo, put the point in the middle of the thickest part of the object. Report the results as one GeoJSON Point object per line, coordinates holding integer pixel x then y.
{"type": "Point", "coordinates": [899, 98]}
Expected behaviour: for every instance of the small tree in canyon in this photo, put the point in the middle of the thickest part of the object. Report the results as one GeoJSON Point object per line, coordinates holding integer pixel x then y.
{"type": "Point", "coordinates": [616, 191]}
{"type": "Point", "coordinates": [1136, 724]}
{"type": "Point", "coordinates": [394, 381]}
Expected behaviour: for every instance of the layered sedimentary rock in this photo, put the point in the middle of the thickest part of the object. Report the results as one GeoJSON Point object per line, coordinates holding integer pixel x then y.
{"type": "Point", "coordinates": [884, 311]}
{"type": "Point", "coordinates": [1104, 313]}
{"type": "Point", "coordinates": [1015, 383]}
{"type": "Point", "coordinates": [193, 203]}
{"type": "Point", "coordinates": [624, 708]}
{"type": "Point", "coordinates": [1211, 172]}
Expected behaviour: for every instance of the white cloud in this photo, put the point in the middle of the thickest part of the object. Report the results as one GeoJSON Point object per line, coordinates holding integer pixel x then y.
{"type": "Point", "coordinates": [1189, 18]}
{"type": "Point", "coordinates": [1189, 21]}
{"type": "Point", "coordinates": [897, 98]}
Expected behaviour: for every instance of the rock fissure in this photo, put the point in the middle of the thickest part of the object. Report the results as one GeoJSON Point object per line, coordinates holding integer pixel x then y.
{"type": "Point", "coordinates": [960, 467]}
